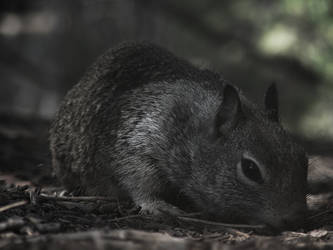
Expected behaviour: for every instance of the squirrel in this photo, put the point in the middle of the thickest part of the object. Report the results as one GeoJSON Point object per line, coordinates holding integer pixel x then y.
{"type": "Point", "coordinates": [145, 124]}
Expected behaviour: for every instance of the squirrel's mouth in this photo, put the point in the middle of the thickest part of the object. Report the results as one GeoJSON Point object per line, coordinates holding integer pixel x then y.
{"type": "Point", "coordinates": [290, 220]}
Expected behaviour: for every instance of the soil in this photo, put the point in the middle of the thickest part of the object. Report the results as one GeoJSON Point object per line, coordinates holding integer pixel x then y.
{"type": "Point", "coordinates": [37, 213]}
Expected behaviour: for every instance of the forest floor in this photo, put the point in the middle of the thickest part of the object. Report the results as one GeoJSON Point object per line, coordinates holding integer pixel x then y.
{"type": "Point", "coordinates": [36, 213]}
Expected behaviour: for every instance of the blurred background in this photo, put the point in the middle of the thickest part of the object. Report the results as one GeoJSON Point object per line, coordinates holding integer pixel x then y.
{"type": "Point", "coordinates": [46, 45]}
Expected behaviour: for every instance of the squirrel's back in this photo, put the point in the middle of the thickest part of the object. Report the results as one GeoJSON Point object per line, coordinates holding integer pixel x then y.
{"type": "Point", "coordinates": [93, 105]}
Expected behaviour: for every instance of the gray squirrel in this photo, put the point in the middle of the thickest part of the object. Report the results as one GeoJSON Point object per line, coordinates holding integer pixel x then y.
{"type": "Point", "coordinates": [150, 126]}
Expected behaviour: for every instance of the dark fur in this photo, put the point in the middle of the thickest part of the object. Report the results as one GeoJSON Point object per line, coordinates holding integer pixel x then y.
{"type": "Point", "coordinates": [162, 131]}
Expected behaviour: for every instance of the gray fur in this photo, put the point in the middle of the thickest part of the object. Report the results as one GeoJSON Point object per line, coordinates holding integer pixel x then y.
{"type": "Point", "coordinates": [157, 129]}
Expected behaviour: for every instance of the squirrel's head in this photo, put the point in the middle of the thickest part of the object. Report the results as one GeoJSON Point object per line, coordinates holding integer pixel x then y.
{"type": "Point", "coordinates": [253, 171]}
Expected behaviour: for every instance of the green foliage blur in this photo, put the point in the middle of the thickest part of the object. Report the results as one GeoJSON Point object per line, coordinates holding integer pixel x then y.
{"type": "Point", "coordinates": [287, 41]}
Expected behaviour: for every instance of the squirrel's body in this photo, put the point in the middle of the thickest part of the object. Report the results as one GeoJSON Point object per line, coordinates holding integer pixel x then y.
{"type": "Point", "coordinates": [161, 131]}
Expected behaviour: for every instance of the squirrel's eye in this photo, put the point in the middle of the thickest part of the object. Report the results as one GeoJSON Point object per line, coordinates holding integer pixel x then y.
{"type": "Point", "coordinates": [251, 171]}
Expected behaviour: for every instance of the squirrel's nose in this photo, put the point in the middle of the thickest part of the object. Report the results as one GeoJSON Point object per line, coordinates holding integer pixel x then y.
{"type": "Point", "coordinates": [290, 221]}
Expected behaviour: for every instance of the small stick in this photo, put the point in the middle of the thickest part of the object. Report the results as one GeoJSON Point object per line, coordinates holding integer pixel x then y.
{"type": "Point", "coordinates": [320, 214]}
{"type": "Point", "coordinates": [77, 198]}
{"type": "Point", "coordinates": [221, 224]}
{"type": "Point", "coordinates": [13, 205]}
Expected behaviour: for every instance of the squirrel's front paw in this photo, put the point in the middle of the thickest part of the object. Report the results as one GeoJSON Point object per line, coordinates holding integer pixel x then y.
{"type": "Point", "coordinates": [160, 208]}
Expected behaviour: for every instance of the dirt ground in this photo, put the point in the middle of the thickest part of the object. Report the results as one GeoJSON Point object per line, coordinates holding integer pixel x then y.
{"type": "Point", "coordinates": [36, 213]}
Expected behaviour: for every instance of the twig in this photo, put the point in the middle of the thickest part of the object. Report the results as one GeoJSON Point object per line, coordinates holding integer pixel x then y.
{"type": "Point", "coordinates": [77, 198]}
{"type": "Point", "coordinates": [227, 225]}
{"type": "Point", "coordinates": [320, 214]}
{"type": "Point", "coordinates": [13, 205]}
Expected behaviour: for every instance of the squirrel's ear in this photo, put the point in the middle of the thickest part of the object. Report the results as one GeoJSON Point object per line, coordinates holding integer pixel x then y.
{"type": "Point", "coordinates": [272, 103]}
{"type": "Point", "coordinates": [230, 110]}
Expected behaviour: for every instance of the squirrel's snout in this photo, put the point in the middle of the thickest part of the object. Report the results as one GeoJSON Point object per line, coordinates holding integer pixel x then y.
{"type": "Point", "coordinates": [290, 221]}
